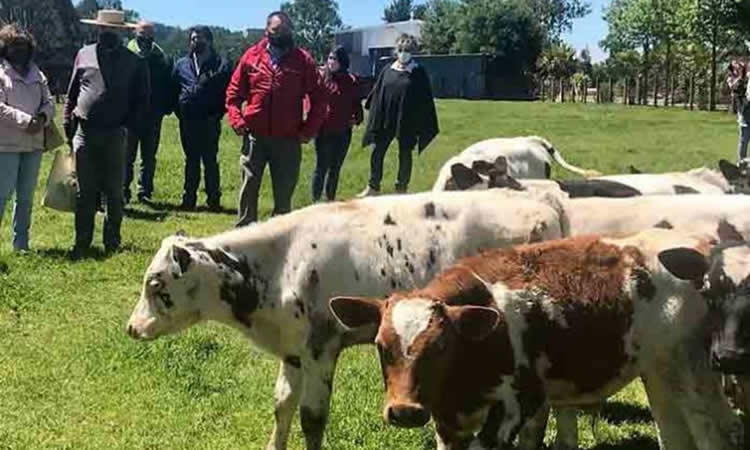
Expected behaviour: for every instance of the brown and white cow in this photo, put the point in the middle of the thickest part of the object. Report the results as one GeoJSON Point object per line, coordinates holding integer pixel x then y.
{"type": "Point", "coordinates": [491, 341]}
{"type": "Point", "coordinates": [272, 280]}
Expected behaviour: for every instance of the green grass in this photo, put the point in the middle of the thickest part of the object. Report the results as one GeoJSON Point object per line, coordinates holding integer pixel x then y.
{"type": "Point", "coordinates": [71, 379]}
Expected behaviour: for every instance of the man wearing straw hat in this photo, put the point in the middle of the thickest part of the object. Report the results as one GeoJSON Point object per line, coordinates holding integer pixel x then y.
{"type": "Point", "coordinates": [108, 91]}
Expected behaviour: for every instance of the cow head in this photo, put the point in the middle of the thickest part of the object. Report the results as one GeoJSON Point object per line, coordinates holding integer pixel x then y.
{"type": "Point", "coordinates": [483, 175]}
{"type": "Point", "coordinates": [723, 278]}
{"type": "Point", "coordinates": [417, 340]}
{"type": "Point", "coordinates": [737, 175]}
{"type": "Point", "coordinates": [182, 286]}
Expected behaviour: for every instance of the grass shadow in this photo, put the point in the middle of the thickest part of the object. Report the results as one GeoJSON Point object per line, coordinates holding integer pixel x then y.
{"type": "Point", "coordinates": [634, 443]}
{"type": "Point", "coordinates": [156, 216]}
{"type": "Point", "coordinates": [94, 253]}
{"type": "Point", "coordinates": [619, 412]}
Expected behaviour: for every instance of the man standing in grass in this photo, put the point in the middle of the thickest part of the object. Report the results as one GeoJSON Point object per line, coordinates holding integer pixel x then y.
{"type": "Point", "coordinates": [201, 80]}
{"type": "Point", "coordinates": [272, 78]}
{"type": "Point", "coordinates": [148, 131]}
{"type": "Point", "coordinates": [109, 90]}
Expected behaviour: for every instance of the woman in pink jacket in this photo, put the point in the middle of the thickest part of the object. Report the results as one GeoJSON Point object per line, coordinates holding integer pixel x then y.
{"type": "Point", "coordinates": [26, 106]}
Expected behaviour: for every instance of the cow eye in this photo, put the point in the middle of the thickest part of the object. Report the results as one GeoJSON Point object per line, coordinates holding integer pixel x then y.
{"type": "Point", "coordinates": [166, 299]}
{"type": "Point", "coordinates": [386, 358]}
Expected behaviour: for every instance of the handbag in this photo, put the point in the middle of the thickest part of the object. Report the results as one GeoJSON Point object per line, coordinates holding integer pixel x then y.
{"type": "Point", "coordinates": [52, 137]}
{"type": "Point", "coordinates": [62, 183]}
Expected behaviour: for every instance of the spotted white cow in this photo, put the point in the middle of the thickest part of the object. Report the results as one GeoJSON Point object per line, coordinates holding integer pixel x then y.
{"type": "Point", "coordinates": [526, 157]}
{"type": "Point", "coordinates": [485, 346]}
{"type": "Point", "coordinates": [483, 175]}
{"type": "Point", "coordinates": [272, 281]}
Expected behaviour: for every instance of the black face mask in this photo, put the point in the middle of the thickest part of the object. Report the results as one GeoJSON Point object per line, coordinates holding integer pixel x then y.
{"type": "Point", "coordinates": [198, 47]}
{"type": "Point", "coordinates": [145, 44]}
{"type": "Point", "coordinates": [108, 39]}
{"type": "Point", "coordinates": [18, 58]}
{"type": "Point", "coordinates": [281, 41]}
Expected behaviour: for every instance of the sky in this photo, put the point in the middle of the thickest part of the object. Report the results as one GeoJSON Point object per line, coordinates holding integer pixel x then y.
{"type": "Point", "coordinates": [241, 14]}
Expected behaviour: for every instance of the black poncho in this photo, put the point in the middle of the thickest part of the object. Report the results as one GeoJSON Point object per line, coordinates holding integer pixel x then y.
{"type": "Point", "coordinates": [401, 105]}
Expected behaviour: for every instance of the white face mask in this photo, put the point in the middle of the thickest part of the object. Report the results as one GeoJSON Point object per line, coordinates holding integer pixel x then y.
{"type": "Point", "coordinates": [333, 65]}
{"type": "Point", "coordinates": [404, 57]}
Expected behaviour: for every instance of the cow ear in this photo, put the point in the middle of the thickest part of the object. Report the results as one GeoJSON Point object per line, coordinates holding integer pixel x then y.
{"type": "Point", "coordinates": [355, 312]}
{"type": "Point", "coordinates": [729, 170]}
{"type": "Point", "coordinates": [685, 263]}
{"type": "Point", "coordinates": [481, 167]}
{"type": "Point", "coordinates": [501, 165]}
{"type": "Point", "coordinates": [634, 170]}
{"type": "Point", "coordinates": [474, 323]}
{"type": "Point", "coordinates": [505, 181]}
{"type": "Point", "coordinates": [181, 257]}
{"type": "Point", "coordinates": [464, 177]}
{"type": "Point", "coordinates": [728, 233]}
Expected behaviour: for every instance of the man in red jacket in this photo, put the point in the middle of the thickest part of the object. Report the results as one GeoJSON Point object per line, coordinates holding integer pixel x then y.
{"type": "Point", "coordinates": [272, 78]}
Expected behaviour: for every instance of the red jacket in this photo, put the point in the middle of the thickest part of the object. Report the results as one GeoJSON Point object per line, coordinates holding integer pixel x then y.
{"type": "Point", "coordinates": [344, 102]}
{"type": "Point", "coordinates": [273, 95]}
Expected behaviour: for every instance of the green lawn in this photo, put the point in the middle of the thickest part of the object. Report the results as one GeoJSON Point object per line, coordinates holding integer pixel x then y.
{"type": "Point", "coordinates": [71, 379]}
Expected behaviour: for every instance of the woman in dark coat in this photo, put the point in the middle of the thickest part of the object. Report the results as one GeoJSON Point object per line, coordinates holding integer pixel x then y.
{"type": "Point", "coordinates": [344, 111]}
{"type": "Point", "coordinates": [401, 106]}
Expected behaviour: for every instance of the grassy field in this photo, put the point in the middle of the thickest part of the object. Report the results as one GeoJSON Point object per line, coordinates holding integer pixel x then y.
{"type": "Point", "coordinates": [71, 379]}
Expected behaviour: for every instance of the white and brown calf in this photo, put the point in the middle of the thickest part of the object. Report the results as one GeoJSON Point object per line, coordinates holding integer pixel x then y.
{"type": "Point", "coordinates": [524, 157]}
{"type": "Point", "coordinates": [487, 344]}
{"type": "Point", "coordinates": [272, 281]}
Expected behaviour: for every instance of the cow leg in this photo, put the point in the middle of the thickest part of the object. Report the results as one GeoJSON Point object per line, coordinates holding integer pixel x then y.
{"type": "Point", "coordinates": [567, 429]}
{"type": "Point", "coordinates": [673, 430]}
{"type": "Point", "coordinates": [744, 404]}
{"type": "Point", "coordinates": [531, 436]}
{"type": "Point", "coordinates": [319, 365]}
{"type": "Point", "coordinates": [287, 393]}
{"type": "Point", "coordinates": [449, 439]}
{"type": "Point", "coordinates": [712, 423]}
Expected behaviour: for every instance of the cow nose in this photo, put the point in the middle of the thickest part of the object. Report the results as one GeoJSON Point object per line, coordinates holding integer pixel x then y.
{"type": "Point", "coordinates": [131, 331]}
{"type": "Point", "coordinates": [407, 416]}
{"type": "Point", "coordinates": [731, 362]}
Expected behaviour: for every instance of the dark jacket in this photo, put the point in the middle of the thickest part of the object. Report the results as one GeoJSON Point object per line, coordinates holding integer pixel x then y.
{"type": "Point", "coordinates": [108, 89]}
{"type": "Point", "coordinates": [160, 69]}
{"type": "Point", "coordinates": [200, 96]}
{"type": "Point", "coordinates": [274, 94]}
{"type": "Point", "coordinates": [344, 102]}
{"type": "Point", "coordinates": [410, 117]}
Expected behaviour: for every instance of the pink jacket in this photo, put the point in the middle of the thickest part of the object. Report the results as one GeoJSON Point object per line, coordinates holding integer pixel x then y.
{"type": "Point", "coordinates": [20, 99]}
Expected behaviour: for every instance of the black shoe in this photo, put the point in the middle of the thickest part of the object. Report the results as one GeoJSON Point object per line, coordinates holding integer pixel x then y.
{"type": "Point", "coordinates": [214, 207]}
{"type": "Point", "coordinates": [77, 253]}
{"type": "Point", "coordinates": [144, 198]}
{"type": "Point", "coordinates": [184, 206]}
{"type": "Point", "coordinates": [111, 249]}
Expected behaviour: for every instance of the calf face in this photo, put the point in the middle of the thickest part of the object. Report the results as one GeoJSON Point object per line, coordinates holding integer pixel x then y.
{"type": "Point", "coordinates": [181, 287]}
{"type": "Point", "coordinates": [723, 278]}
{"type": "Point", "coordinates": [417, 341]}
{"type": "Point", "coordinates": [737, 175]}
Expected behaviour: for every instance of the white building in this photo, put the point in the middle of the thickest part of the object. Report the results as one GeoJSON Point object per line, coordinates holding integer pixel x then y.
{"type": "Point", "coordinates": [367, 44]}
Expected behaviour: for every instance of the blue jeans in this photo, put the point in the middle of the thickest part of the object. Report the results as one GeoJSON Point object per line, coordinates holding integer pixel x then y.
{"type": "Point", "coordinates": [330, 150]}
{"type": "Point", "coordinates": [19, 173]}
{"type": "Point", "coordinates": [744, 137]}
{"type": "Point", "coordinates": [200, 142]}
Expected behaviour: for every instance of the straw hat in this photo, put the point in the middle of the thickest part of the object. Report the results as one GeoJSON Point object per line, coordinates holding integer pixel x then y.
{"type": "Point", "coordinates": [109, 18]}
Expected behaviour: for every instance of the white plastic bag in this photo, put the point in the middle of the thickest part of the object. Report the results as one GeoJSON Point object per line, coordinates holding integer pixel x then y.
{"type": "Point", "coordinates": [62, 183]}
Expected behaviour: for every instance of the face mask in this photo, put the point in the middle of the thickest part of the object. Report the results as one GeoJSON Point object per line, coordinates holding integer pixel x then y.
{"type": "Point", "coordinates": [144, 43]}
{"type": "Point", "coordinates": [282, 41]}
{"type": "Point", "coordinates": [18, 57]}
{"type": "Point", "coordinates": [109, 39]}
{"type": "Point", "coordinates": [404, 57]}
{"type": "Point", "coordinates": [199, 47]}
{"type": "Point", "coordinates": [333, 65]}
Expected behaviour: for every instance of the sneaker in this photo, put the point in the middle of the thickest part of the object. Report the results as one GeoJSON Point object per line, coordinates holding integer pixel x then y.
{"type": "Point", "coordinates": [368, 192]}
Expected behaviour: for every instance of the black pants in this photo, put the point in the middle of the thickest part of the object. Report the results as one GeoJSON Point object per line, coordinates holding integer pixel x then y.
{"type": "Point", "coordinates": [405, 148]}
{"type": "Point", "coordinates": [200, 142]}
{"type": "Point", "coordinates": [284, 156]}
{"type": "Point", "coordinates": [148, 138]}
{"type": "Point", "coordinates": [100, 166]}
{"type": "Point", "coordinates": [330, 151]}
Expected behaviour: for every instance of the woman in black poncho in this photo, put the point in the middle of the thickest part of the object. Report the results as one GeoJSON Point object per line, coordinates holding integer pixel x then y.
{"type": "Point", "coordinates": [401, 106]}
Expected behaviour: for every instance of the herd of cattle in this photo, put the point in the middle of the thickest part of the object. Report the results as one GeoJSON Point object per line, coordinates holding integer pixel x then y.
{"type": "Point", "coordinates": [489, 306]}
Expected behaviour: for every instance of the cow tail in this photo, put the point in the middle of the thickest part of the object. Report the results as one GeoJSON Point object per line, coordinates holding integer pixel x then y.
{"type": "Point", "coordinates": [557, 156]}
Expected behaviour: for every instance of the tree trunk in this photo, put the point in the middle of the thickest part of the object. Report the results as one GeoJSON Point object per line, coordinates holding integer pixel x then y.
{"type": "Point", "coordinates": [712, 88]}
{"type": "Point", "coordinates": [562, 90]}
{"type": "Point", "coordinates": [585, 91]}
{"type": "Point", "coordinates": [675, 82]}
{"type": "Point", "coordinates": [638, 89]}
{"type": "Point", "coordinates": [598, 91]}
{"type": "Point", "coordinates": [644, 90]}
{"type": "Point", "coordinates": [668, 75]}
{"type": "Point", "coordinates": [611, 97]}
{"type": "Point", "coordinates": [656, 89]}
{"type": "Point", "coordinates": [692, 91]}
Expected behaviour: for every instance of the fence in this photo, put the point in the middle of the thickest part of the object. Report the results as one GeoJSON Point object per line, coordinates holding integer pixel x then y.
{"type": "Point", "coordinates": [687, 92]}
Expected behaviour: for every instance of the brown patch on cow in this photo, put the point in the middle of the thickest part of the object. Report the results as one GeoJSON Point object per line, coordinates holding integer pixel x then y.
{"type": "Point", "coordinates": [664, 224]}
{"type": "Point", "coordinates": [314, 246]}
{"type": "Point", "coordinates": [682, 190]}
{"type": "Point", "coordinates": [728, 232]}
{"type": "Point", "coordinates": [389, 220]}
{"type": "Point", "coordinates": [398, 244]}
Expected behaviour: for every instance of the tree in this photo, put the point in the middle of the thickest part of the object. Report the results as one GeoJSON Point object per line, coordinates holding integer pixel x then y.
{"type": "Point", "coordinates": [507, 29]}
{"type": "Point", "coordinates": [398, 11]}
{"type": "Point", "coordinates": [440, 27]}
{"type": "Point", "coordinates": [556, 16]}
{"type": "Point", "coordinates": [315, 22]}
{"type": "Point", "coordinates": [419, 11]}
